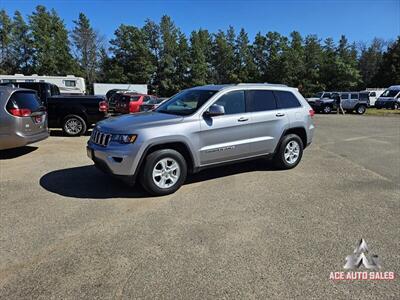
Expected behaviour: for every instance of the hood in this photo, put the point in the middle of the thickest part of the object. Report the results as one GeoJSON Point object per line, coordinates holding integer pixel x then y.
{"type": "Point", "coordinates": [312, 99]}
{"type": "Point", "coordinates": [130, 122]}
{"type": "Point", "coordinates": [386, 99]}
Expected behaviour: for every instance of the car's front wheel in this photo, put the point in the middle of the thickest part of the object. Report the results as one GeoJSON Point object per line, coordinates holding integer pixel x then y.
{"type": "Point", "coordinates": [289, 153]}
{"type": "Point", "coordinates": [74, 125]}
{"type": "Point", "coordinates": [164, 172]}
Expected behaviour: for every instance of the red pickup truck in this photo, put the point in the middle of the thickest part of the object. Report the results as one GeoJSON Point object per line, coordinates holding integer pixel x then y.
{"type": "Point", "coordinates": [127, 103]}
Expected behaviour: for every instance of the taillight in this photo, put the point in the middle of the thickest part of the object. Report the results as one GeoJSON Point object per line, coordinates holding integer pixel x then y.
{"type": "Point", "coordinates": [20, 112]}
{"type": "Point", "coordinates": [311, 112]}
{"type": "Point", "coordinates": [103, 106]}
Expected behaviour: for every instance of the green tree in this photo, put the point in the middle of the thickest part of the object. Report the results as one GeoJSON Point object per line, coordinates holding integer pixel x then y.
{"type": "Point", "coordinates": [87, 43]}
{"type": "Point", "coordinates": [167, 76]}
{"type": "Point", "coordinates": [21, 45]}
{"type": "Point", "coordinates": [200, 54]}
{"type": "Point", "coordinates": [131, 54]}
{"type": "Point", "coordinates": [223, 57]}
{"type": "Point", "coordinates": [5, 43]}
{"type": "Point", "coordinates": [151, 32]}
{"type": "Point", "coordinates": [389, 70]}
{"type": "Point", "coordinates": [183, 62]}
{"type": "Point", "coordinates": [245, 67]}
{"type": "Point", "coordinates": [276, 45]}
{"type": "Point", "coordinates": [313, 59]}
{"type": "Point", "coordinates": [294, 58]}
{"type": "Point", "coordinates": [52, 54]}
{"type": "Point", "coordinates": [370, 60]}
{"type": "Point", "coordinates": [260, 57]}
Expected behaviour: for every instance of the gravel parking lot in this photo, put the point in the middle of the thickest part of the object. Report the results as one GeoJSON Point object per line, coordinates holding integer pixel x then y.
{"type": "Point", "coordinates": [243, 231]}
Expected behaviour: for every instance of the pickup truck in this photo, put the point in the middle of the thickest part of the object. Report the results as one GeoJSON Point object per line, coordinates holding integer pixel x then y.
{"type": "Point", "coordinates": [74, 114]}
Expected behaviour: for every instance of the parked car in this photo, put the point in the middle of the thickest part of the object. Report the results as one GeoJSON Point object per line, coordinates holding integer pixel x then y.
{"type": "Point", "coordinates": [318, 96]}
{"type": "Point", "coordinates": [74, 114]}
{"type": "Point", "coordinates": [23, 119]}
{"type": "Point", "coordinates": [203, 127]}
{"type": "Point", "coordinates": [373, 95]}
{"type": "Point", "coordinates": [325, 105]}
{"type": "Point", "coordinates": [357, 102]}
{"type": "Point", "coordinates": [130, 102]}
{"type": "Point", "coordinates": [152, 104]}
{"type": "Point", "coordinates": [390, 98]}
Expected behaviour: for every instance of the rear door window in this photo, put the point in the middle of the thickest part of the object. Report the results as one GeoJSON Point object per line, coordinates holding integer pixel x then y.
{"type": "Point", "coordinates": [286, 99]}
{"type": "Point", "coordinates": [260, 100]}
{"type": "Point", "coordinates": [21, 100]}
{"type": "Point", "coordinates": [344, 96]}
{"type": "Point", "coordinates": [354, 96]}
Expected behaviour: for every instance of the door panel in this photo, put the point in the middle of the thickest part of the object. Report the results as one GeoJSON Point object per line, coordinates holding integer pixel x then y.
{"type": "Point", "coordinates": [224, 138]}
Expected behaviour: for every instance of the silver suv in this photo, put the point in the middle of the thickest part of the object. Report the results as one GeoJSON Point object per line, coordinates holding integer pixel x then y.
{"type": "Point", "coordinates": [203, 127]}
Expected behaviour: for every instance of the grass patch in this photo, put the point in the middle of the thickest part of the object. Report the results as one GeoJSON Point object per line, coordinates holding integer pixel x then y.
{"type": "Point", "coordinates": [382, 112]}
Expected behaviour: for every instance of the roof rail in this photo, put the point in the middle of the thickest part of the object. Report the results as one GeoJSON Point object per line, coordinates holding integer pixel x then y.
{"type": "Point", "coordinates": [262, 83]}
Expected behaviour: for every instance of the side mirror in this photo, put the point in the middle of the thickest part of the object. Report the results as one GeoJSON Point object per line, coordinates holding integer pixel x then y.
{"type": "Point", "coordinates": [215, 110]}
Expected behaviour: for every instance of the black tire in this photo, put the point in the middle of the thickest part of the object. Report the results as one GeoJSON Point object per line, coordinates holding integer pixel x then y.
{"type": "Point", "coordinates": [69, 129]}
{"type": "Point", "coordinates": [152, 160]}
{"type": "Point", "coordinates": [361, 109]}
{"type": "Point", "coordinates": [395, 106]}
{"type": "Point", "coordinates": [327, 109]}
{"type": "Point", "coordinates": [279, 157]}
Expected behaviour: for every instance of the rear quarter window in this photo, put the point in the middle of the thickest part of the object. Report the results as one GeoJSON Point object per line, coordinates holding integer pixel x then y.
{"type": "Point", "coordinates": [286, 99]}
{"type": "Point", "coordinates": [24, 100]}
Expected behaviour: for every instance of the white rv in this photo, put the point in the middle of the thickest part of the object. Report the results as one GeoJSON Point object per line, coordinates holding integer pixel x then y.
{"type": "Point", "coordinates": [69, 84]}
{"type": "Point", "coordinates": [101, 89]}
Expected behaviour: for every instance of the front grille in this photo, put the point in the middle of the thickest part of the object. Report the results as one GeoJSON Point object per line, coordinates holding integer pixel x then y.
{"type": "Point", "coordinates": [100, 138]}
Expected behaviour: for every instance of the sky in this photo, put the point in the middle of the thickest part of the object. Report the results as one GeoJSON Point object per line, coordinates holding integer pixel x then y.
{"type": "Point", "coordinates": [359, 20]}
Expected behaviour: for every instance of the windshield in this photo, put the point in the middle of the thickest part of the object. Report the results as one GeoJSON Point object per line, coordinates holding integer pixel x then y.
{"type": "Point", "coordinates": [186, 102]}
{"type": "Point", "coordinates": [390, 93]}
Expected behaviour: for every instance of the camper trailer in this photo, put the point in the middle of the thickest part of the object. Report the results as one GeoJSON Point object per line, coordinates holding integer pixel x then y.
{"type": "Point", "coordinates": [68, 85]}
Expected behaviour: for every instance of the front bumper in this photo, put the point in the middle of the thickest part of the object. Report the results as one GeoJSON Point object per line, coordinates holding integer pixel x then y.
{"type": "Point", "coordinates": [116, 159]}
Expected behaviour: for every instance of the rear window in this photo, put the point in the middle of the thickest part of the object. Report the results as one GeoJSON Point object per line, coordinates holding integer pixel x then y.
{"type": "Point", "coordinates": [261, 100]}
{"type": "Point", "coordinates": [24, 100]}
{"type": "Point", "coordinates": [286, 99]}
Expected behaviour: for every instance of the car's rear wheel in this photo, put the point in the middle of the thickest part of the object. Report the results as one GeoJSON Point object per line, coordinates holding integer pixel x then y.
{"type": "Point", "coordinates": [361, 109]}
{"type": "Point", "coordinates": [289, 153]}
{"type": "Point", "coordinates": [327, 109]}
{"type": "Point", "coordinates": [74, 125]}
{"type": "Point", "coordinates": [164, 172]}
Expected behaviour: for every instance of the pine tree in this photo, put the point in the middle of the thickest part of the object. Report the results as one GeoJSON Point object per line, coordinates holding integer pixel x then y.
{"type": "Point", "coordinates": [21, 45]}
{"type": "Point", "coordinates": [167, 76]}
{"type": "Point", "coordinates": [131, 54]}
{"type": "Point", "coordinates": [389, 70]}
{"type": "Point", "coordinates": [313, 59]}
{"type": "Point", "coordinates": [245, 67]}
{"type": "Point", "coordinates": [260, 55]}
{"type": "Point", "coordinates": [200, 51]}
{"type": "Point", "coordinates": [87, 44]}
{"type": "Point", "coordinates": [5, 43]}
{"type": "Point", "coordinates": [183, 62]}
{"type": "Point", "coordinates": [223, 57]}
{"type": "Point", "coordinates": [276, 45]}
{"type": "Point", "coordinates": [370, 60]}
{"type": "Point", "coordinates": [294, 58]}
{"type": "Point", "coordinates": [50, 40]}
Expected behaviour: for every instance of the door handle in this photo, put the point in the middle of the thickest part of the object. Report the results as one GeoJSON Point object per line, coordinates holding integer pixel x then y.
{"type": "Point", "coordinates": [243, 119]}
{"type": "Point", "coordinates": [280, 114]}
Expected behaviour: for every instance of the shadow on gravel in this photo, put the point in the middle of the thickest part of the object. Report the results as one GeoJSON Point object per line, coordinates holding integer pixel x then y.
{"type": "Point", "coordinates": [60, 133]}
{"type": "Point", "coordinates": [17, 152]}
{"type": "Point", "coordinates": [88, 182]}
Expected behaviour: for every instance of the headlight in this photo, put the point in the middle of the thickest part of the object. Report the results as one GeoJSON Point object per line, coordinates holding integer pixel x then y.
{"type": "Point", "coordinates": [124, 138]}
